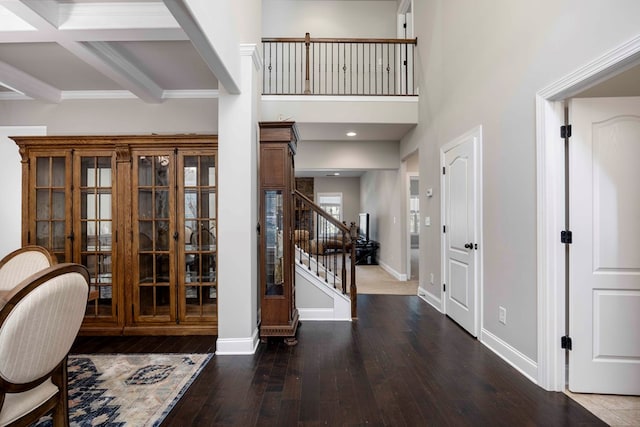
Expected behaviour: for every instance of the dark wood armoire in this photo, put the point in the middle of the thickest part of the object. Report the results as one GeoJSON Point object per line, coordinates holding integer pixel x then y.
{"type": "Point", "coordinates": [279, 316]}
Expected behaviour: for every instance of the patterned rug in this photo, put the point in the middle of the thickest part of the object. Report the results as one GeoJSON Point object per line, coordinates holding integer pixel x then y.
{"type": "Point", "coordinates": [114, 390]}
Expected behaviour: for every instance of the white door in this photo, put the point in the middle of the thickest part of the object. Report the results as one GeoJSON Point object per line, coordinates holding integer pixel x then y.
{"type": "Point", "coordinates": [604, 267]}
{"type": "Point", "coordinates": [461, 231]}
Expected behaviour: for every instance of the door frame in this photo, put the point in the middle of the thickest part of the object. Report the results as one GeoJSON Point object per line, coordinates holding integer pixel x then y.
{"type": "Point", "coordinates": [476, 133]}
{"type": "Point", "coordinates": [550, 103]}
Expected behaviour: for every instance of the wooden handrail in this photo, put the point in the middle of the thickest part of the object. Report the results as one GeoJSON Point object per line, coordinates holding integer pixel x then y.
{"type": "Point", "coordinates": [413, 41]}
{"type": "Point", "coordinates": [342, 227]}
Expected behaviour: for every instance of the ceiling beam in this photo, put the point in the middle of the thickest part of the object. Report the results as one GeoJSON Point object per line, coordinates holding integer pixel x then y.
{"type": "Point", "coordinates": [111, 62]}
{"type": "Point", "coordinates": [202, 44]}
{"type": "Point", "coordinates": [22, 82]}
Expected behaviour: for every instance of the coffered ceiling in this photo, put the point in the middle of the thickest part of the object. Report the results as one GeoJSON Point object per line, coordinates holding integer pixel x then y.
{"type": "Point", "coordinates": [69, 49]}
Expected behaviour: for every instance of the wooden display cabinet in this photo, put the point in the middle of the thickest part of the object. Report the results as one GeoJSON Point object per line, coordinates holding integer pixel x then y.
{"type": "Point", "coordinates": [278, 312]}
{"type": "Point", "coordinates": [140, 213]}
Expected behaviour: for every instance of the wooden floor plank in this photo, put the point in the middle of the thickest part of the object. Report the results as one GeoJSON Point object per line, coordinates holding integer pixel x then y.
{"type": "Point", "coordinates": [401, 363]}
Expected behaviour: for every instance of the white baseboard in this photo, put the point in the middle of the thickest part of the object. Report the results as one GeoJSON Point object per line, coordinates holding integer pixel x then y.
{"type": "Point", "coordinates": [237, 346]}
{"type": "Point", "coordinates": [430, 299]}
{"type": "Point", "coordinates": [398, 276]}
{"type": "Point", "coordinates": [323, 314]}
{"type": "Point", "coordinates": [513, 357]}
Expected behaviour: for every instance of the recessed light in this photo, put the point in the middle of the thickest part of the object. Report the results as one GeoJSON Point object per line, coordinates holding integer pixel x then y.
{"type": "Point", "coordinates": [351, 133]}
{"type": "Point", "coordinates": [336, 174]}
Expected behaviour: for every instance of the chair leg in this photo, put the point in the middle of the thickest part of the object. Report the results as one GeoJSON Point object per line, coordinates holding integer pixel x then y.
{"type": "Point", "coordinates": [61, 411]}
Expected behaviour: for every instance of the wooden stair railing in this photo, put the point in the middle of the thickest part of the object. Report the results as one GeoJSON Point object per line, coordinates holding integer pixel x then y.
{"type": "Point", "coordinates": [338, 66]}
{"type": "Point", "coordinates": [326, 244]}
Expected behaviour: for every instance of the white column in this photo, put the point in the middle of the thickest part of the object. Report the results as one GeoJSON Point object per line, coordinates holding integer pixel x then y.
{"type": "Point", "coordinates": [237, 211]}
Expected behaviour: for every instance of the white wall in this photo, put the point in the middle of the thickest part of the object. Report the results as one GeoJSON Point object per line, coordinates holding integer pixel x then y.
{"type": "Point", "coordinates": [350, 189]}
{"type": "Point", "coordinates": [481, 63]}
{"type": "Point", "coordinates": [11, 188]}
{"type": "Point", "coordinates": [347, 155]}
{"type": "Point", "coordinates": [382, 196]}
{"type": "Point", "coordinates": [294, 18]}
{"type": "Point", "coordinates": [109, 117]}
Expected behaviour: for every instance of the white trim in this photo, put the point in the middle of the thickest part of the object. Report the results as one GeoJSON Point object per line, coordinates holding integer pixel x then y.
{"type": "Point", "coordinates": [120, 15]}
{"type": "Point", "coordinates": [23, 83]}
{"type": "Point", "coordinates": [191, 94]}
{"type": "Point", "coordinates": [398, 276]}
{"type": "Point", "coordinates": [614, 62]}
{"type": "Point", "coordinates": [403, 7]}
{"type": "Point", "coordinates": [321, 315]}
{"type": "Point", "coordinates": [550, 199]}
{"type": "Point", "coordinates": [511, 355]}
{"type": "Point", "coordinates": [237, 346]}
{"type": "Point", "coordinates": [69, 95]}
{"type": "Point", "coordinates": [251, 49]}
{"type": "Point", "coordinates": [340, 98]}
{"type": "Point", "coordinates": [430, 299]}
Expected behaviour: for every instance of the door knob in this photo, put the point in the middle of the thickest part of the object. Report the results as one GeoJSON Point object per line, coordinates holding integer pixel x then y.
{"type": "Point", "coordinates": [468, 245]}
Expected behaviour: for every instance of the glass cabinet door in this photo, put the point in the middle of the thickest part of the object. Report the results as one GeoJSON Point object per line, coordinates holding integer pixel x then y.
{"type": "Point", "coordinates": [51, 208]}
{"type": "Point", "coordinates": [198, 293]}
{"type": "Point", "coordinates": [94, 234]}
{"type": "Point", "coordinates": [153, 204]}
{"type": "Point", "coordinates": [274, 241]}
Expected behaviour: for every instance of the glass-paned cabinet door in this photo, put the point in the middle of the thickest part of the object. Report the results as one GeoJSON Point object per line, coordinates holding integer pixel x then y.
{"type": "Point", "coordinates": [197, 212]}
{"type": "Point", "coordinates": [274, 241]}
{"type": "Point", "coordinates": [153, 218]}
{"type": "Point", "coordinates": [49, 204]}
{"type": "Point", "coordinates": [94, 237]}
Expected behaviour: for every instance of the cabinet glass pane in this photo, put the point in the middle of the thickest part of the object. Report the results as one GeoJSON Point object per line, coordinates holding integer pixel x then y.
{"type": "Point", "coordinates": [145, 171]}
{"type": "Point", "coordinates": [96, 229]}
{"type": "Point", "coordinates": [274, 253]}
{"type": "Point", "coordinates": [162, 203]}
{"type": "Point", "coordinates": [154, 300]}
{"type": "Point", "coordinates": [58, 236]}
{"type": "Point", "coordinates": [43, 210]}
{"type": "Point", "coordinates": [145, 241]}
{"type": "Point", "coordinates": [43, 172]}
{"type": "Point", "coordinates": [58, 172]}
{"type": "Point", "coordinates": [146, 268]}
{"type": "Point", "coordinates": [58, 199]}
{"type": "Point", "coordinates": [145, 203]}
{"type": "Point", "coordinates": [42, 234]}
{"type": "Point", "coordinates": [200, 294]}
{"type": "Point", "coordinates": [162, 235]}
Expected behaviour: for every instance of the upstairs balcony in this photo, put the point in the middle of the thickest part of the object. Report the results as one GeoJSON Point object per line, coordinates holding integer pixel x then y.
{"type": "Point", "coordinates": [340, 81]}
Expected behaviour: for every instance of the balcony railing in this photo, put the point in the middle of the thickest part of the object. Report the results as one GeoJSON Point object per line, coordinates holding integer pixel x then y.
{"type": "Point", "coordinates": [325, 66]}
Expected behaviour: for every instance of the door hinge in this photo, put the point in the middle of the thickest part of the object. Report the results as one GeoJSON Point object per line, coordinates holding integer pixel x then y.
{"type": "Point", "coordinates": [444, 171]}
{"type": "Point", "coordinates": [444, 287]}
{"type": "Point", "coordinates": [404, 25]}
{"type": "Point", "coordinates": [566, 237]}
{"type": "Point", "coordinates": [565, 342]}
{"type": "Point", "coordinates": [444, 228]}
{"type": "Point", "coordinates": [565, 131]}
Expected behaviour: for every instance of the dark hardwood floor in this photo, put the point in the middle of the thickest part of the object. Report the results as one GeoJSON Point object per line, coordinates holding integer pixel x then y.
{"type": "Point", "coordinates": [401, 363]}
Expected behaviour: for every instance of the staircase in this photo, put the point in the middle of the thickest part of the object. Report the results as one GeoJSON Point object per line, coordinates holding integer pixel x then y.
{"type": "Point", "coordinates": [325, 263]}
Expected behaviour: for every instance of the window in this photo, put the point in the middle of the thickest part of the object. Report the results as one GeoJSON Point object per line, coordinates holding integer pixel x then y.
{"type": "Point", "coordinates": [332, 204]}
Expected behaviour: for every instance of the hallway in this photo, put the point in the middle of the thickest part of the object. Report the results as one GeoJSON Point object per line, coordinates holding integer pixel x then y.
{"type": "Point", "coordinates": [401, 363]}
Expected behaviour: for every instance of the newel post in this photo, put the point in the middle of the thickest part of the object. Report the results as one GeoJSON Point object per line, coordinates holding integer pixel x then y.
{"type": "Point", "coordinates": [353, 229]}
{"type": "Point", "coordinates": [307, 43]}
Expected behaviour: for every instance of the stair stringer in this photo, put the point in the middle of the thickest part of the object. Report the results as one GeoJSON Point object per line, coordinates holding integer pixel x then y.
{"type": "Point", "coordinates": [340, 309]}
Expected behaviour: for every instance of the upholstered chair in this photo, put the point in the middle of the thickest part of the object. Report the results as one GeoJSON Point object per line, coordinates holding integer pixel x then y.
{"type": "Point", "coordinates": [39, 320]}
{"type": "Point", "coordinates": [22, 263]}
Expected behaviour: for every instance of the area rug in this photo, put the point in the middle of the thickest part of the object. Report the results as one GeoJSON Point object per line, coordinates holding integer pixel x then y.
{"type": "Point", "coordinates": [118, 390]}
